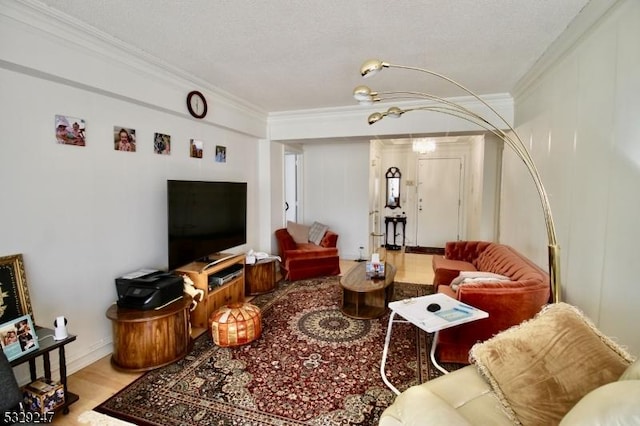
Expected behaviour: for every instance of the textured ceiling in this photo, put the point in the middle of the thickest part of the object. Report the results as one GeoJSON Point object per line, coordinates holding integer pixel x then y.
{"type": "Point", "coordinates": [282, 55]}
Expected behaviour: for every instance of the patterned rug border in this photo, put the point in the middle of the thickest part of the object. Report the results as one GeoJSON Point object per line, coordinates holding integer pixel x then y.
{"type": "Point", "coordinates": [266, 303]}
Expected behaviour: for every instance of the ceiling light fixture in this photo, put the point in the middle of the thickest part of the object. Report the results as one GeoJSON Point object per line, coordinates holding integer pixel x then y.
{"type": "Point", "coordinates": [424, 145]}
{"type": "Point", "coordinates": [510, 137]}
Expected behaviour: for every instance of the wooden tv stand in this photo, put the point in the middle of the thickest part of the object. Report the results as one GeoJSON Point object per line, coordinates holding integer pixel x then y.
{"type": "Point", "coordinates": [218, 295]}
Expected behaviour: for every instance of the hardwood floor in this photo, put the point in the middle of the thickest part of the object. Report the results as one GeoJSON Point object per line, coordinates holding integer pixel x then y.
{"type": "Point", "coordinates": [99, 381]}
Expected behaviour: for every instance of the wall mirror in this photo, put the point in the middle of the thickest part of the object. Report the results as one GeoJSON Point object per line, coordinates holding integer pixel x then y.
{"type": "Point", "coordinates": [393, 188]}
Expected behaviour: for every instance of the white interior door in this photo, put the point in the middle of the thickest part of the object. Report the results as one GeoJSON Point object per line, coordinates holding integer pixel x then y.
{"type": "Point", "coordinates": [439, 201]}
{"type": "Point", "coordinates": [291, 187]}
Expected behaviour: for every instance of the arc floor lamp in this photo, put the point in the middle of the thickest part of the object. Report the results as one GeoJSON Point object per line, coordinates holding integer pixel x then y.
{"type": "Point", "coordinates": [510, 137]}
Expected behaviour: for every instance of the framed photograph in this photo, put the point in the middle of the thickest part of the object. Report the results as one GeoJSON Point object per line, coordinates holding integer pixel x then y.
{"type": "Point", "coordinates": [195, 148]}
{"type": "Point", "coordinates": [162, 144]}
{"type": "Point", "coordinates": [70, 130]}
{"type": "Point", "coordinates": [14, 293]}
{"type": "Point", "coordinates": [221, 154]}
{"type": "Point", "coordinates": [124, 139]}
{"type": "Point", "coordinates": [18, 337]}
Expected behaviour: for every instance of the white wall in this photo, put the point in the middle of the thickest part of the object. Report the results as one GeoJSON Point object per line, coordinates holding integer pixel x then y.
{"type": "Point", "coordinates": [580, 116]}
{"type": "Point", "coordinates": [82, 216]}
{"type": "Point", "coordinates": [336, 192]}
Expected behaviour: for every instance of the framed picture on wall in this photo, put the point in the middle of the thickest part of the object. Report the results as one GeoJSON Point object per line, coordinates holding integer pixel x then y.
{"type": "Point", "coordinates": [18, 337]}
{"type": "Point", "coordinates": [14, 293]}
{"type": "Point", "coordinates": [162, 144]}
{"type": "Point", "coordinates": [70, 130]}
{"type": "Point", "coordinates": [221, 154]}
{"type": "Point", "coordinates": [124, 139]}
{"type": "Point", "coordinates": [195, 148]}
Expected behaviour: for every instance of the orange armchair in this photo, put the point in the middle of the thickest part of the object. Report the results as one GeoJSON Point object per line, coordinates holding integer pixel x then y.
{"type": "Point", "coordinates": [307, 260]}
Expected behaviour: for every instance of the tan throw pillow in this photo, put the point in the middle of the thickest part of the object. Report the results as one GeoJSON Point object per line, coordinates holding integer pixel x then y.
{"type": "Point", "coordinates": [317, 232]}
{"type": "Point", "coordinates": [541, 368]}
{"type": "Point", "coordinates": [298, 231]}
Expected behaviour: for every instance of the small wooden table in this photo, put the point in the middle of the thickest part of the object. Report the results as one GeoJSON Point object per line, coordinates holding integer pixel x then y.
{"type": "Point", "coordinates": [365, 298]}
{"type": "Point", "coordinates": [260, 277]}
{"type": "Point", "coordinates": [144, 340]}
{"type": "Point", "coordinates": [47, 345]}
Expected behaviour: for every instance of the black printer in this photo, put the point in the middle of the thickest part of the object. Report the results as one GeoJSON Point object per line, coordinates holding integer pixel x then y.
{"type": "Point", "coordinates": [148, 289]}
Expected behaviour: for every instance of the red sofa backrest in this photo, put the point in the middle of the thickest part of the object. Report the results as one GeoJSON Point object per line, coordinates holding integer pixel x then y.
{"type": "Point", "coordinates": [504, 260]}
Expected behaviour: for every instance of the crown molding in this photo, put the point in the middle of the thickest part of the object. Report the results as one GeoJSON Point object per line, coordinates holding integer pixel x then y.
{"type": "Point", "coordinates": [583, 23]}
{"type": "Point", "coordinates": [40, 18]}
{"type": "Point", "coordinates": [351, 121]}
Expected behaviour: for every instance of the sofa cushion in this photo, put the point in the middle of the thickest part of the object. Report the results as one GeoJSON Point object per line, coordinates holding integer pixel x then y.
{"type": "Point", "coordinates": [316, 232]}
{"type": "Point", "coordinates": [298, 231]}
{"type": "Point", "coordinates": [541, 368]}
{"type": "Point", "coordinates": [612, 404]}
{"type": "Point", "coordinates": [632, 373]}
{"type": "Point", "coordinates": [461, 397]}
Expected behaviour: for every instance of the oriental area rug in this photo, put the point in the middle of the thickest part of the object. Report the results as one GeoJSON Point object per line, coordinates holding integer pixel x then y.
{"type": "Point", "coordinates": [311, 366]}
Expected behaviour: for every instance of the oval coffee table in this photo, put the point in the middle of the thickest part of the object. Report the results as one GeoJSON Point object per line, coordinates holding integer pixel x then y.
{"type": "Point", "coordinates": [365, 298]}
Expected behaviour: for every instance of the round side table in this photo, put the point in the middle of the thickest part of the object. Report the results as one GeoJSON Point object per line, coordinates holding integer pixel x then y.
{"type": "Point", "coordinates": [144, 340]}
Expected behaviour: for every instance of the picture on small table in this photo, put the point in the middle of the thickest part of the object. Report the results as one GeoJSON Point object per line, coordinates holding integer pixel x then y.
{"type": "Point", "coordinates": [124, 139]}
{"type": "Point", "coordinates": [18, 337]}
{"type": "Point", "coordinates": [70, 130]}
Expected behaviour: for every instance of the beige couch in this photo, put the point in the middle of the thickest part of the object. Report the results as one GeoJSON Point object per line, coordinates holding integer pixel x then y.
{"type": "Point", "coordinates": [554, 369]}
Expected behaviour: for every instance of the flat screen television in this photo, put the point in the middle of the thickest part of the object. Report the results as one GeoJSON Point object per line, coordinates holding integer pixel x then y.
{"type": "Point", "coordinates": [204, 218]}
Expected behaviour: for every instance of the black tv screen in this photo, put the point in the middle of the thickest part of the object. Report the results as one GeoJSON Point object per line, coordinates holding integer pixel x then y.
{"type": "Point", "coordinates": [204, 218]}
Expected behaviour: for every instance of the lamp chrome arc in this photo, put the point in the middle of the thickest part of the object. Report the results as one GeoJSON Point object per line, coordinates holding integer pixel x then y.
{"type": "Point", "coordinates": [364, 95]}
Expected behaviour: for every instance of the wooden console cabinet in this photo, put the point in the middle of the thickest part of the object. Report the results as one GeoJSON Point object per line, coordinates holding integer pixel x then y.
{"type": "Point", "coordinates": [215, 296]}
{"type": "Point", "coordinates": [144, 340]}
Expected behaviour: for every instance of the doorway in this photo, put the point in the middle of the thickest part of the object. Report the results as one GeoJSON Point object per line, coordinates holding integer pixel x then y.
{"type": "Point", "coordinates": [292, 187]}
{"type": "Point", "coordinates": [439, 201]}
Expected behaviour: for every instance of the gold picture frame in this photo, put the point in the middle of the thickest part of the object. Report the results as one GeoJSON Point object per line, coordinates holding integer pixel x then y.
{"type": "Point", "coordinates": [14, 292]}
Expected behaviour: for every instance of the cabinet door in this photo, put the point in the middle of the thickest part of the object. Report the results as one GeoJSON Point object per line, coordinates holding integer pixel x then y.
{"type": "Point", "coordinates": [236, 290]}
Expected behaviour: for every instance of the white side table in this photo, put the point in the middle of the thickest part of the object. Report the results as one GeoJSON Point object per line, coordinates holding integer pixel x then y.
{"type": "Point", "coordinates": [452, 312]}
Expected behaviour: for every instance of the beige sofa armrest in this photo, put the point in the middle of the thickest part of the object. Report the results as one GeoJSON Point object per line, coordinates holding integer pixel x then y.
{"type": "Point", "coordinates": [418, 406]}
{"type": "Point", "coordinates": [462, 397]}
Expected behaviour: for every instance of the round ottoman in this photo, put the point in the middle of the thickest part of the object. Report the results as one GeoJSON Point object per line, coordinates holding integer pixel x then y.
{"type": "Point", "coordinates": [236, 324]}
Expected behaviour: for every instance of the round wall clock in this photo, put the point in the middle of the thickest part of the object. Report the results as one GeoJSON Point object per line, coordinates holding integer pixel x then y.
{"type": "Point", "coordinates": [196, 104]}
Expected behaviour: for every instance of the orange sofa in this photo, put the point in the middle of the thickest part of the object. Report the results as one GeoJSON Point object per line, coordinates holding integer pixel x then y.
{"type": "Point", "coordinates": [518, 295]}
{"type": "Point", "coordinates": [308, 260]}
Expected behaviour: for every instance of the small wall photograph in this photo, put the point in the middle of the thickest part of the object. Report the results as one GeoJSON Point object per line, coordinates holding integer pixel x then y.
{"type": "Point", "coordinates": [162, 144]}
{"type": "Point", "coordinates": [221, 154]}
{"type": "Point", "coordinates": [195, 148]}
{"type": "Point", "coordinates": [70, 130]}
{"type": "Point", "coordinates": [124, 139]}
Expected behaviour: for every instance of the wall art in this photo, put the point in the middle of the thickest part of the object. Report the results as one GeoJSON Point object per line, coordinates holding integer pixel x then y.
{"type": "Point", "coordinates": [70, 130]}
{"type": "Point", "coordinates": [124, 139]}
{"type": "Point", "coordinates": [162, 144]}
{"type": "Point", "coordinates": [14, 293]}
{"type": "Point", "coordinates": [196, 148]}
{"type": "Point", "coordinates": [221, 154]}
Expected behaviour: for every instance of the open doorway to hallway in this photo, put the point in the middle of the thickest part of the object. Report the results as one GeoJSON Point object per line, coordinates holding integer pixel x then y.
{"type": "Point", "coordinates": [292, 186]}
{"type": "Point", "coordinates": [446, 194]}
